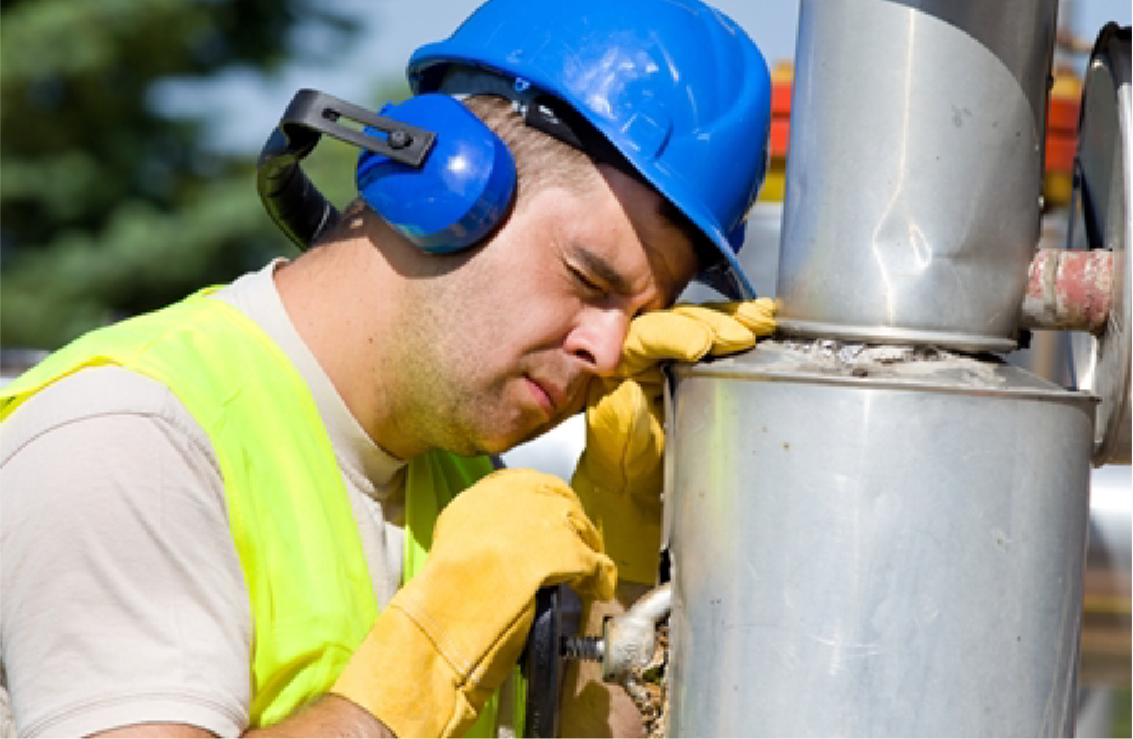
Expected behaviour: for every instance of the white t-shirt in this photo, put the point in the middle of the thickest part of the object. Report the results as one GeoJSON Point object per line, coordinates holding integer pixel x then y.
{"type": "Point", "coordinates": [121, 594]}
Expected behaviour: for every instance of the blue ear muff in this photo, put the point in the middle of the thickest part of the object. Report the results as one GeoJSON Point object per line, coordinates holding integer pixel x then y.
{"type": "Point", "coordinates": [461, 191]}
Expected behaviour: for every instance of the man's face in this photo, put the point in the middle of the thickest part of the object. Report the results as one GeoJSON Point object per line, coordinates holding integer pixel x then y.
{"type": "Point", "coordinates": [504, 344]}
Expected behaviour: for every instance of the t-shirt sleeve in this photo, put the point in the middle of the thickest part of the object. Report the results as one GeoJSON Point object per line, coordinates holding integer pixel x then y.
{"type": "Point", "coordinates": [123, 598]}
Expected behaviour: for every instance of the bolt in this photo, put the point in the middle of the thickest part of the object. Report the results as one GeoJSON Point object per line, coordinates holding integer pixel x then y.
{"type": "Point", "coordinates": [399, 139]}
{"type": "Point", "coordinates": [585, 648]}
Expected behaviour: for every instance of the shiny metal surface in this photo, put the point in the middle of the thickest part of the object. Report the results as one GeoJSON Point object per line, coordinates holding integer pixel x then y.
{"type": "Point", "coordinates": [874, 541]}
{"type": "Point", "coordinates": [630, 639]}
{"type": "Point", "coordinates": [1102, 218]}
{"type": "Point", "coordinates": [912, 196]}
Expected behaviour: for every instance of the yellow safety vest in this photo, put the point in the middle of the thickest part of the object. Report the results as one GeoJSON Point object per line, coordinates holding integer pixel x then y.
{"type": "Point", "coordinates": [312, 600]}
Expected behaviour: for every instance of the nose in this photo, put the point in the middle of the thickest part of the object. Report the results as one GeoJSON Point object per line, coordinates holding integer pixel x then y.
{"type": "Point", "coordinates": [597, 339]}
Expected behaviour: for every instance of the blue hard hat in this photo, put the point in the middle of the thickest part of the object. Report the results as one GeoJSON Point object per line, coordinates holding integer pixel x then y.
{"type": "Point", "coordinates": [677, 87]}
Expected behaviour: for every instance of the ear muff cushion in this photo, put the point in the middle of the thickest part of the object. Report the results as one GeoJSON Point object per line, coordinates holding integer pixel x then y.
{"type": "Point", "coordinates": [458, 195]}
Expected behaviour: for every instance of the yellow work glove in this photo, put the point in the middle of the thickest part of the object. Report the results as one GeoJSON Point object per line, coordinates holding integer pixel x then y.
{"type": "Point", "coordinates": [619, 475]}
{"type": "Point", "coordinates": [449, 638]}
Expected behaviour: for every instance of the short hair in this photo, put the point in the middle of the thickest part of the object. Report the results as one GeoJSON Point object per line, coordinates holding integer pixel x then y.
{"type": "Point", "coordinates": [540, 160]}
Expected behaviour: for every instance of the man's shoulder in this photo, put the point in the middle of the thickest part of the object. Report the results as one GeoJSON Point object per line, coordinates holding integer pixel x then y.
{"type": "Point", "coordinates": [117, 519]}
{"type": "Point", "coordinates": [98, 393]}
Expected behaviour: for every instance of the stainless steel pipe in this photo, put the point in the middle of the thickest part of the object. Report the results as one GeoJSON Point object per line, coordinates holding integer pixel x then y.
{"type": "Point", "coordinates": [874, 541]}
{"type": "Point", "coordinates": [913, 185]}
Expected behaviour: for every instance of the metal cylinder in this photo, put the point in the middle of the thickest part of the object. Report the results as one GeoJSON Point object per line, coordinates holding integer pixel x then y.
{"type": "Point", "coordinates": [874, 541]}
{"type": "Point", "coordinates": [913, 185]}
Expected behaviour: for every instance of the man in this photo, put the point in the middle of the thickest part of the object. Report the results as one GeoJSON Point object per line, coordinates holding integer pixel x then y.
{"type": "Point", "coordinates": [216, 516]}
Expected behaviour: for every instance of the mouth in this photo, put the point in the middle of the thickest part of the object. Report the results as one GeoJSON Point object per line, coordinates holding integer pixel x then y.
{"type": "Point", "coordinates": [548, 397]}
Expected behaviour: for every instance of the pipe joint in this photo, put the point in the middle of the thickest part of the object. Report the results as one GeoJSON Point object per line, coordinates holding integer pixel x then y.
{"type": "Point", "coordinates": [630, 639]}
{"type": "Point", "coordinates": [1069, 290]}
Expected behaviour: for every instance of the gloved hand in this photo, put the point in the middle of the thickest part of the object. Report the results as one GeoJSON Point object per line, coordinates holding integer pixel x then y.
{"type": "Point", "coordinates": [449, 638]}
{"type": "Point", "coordinates": [619, 474]}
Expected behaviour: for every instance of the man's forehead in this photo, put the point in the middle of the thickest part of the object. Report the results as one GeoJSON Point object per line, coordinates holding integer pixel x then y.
{"type": "Point", "coordinates": [668, 246]}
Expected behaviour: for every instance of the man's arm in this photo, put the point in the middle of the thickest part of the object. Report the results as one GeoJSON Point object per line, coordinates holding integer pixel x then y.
{"type": "Point", "coordinates": [123, 597]}
{"type": "Point", "coordinates": [449, 638]}
{"type": "Point", "coordinates": [331, 716]}
{"type": "Point", "coordinates": [137, 493]}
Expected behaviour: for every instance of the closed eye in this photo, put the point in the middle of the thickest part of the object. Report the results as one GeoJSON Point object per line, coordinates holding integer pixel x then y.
{"type": "Point", "coordinates": [587, 283]}
{"type": "Point", "coordinates": [595, 272]}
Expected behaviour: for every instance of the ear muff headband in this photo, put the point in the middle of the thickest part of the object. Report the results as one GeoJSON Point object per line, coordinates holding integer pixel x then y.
{"type": "Point", "coordinates": [295, 204]}
{"type": "Point", "coordinates": [428, 166]}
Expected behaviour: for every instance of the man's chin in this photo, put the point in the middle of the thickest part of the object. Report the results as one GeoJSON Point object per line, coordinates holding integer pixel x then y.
{"type": "Point", "coordinates": [493, 444]}
{"type": "Point", "coordinates": [505, 443]}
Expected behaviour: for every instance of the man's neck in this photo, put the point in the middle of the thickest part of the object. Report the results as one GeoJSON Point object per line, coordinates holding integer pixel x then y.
{"type": "Point", "coordinates": [339, 296]}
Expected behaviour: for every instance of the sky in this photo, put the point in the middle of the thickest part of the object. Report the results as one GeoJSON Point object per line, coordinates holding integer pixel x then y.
{"type": "Point", "coordinates": [393, 29]}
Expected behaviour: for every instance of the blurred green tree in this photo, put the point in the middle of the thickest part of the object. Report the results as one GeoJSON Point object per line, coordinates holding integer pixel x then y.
{"type": "Point", "coordinates": [108, 207]}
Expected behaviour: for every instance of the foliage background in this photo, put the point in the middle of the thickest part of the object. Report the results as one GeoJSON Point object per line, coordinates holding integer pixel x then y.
{"type": "Point", "coordinates": [109, 206]}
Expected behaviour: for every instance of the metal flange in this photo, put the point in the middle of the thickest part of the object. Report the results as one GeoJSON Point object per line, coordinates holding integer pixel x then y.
{"type": "Point", "coordinates": [1101, 217]}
